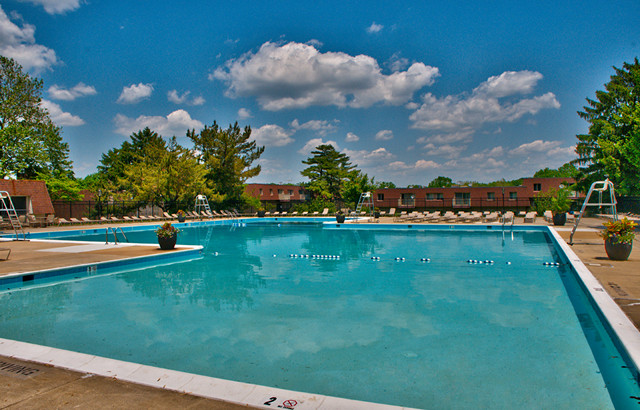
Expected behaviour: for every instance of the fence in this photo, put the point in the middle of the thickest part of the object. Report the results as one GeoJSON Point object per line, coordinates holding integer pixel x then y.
{"type": "Point", "coordinates": [97, 209]}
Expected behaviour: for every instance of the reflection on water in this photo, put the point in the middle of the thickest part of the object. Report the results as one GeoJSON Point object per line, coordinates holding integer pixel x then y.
{"type": "Point", "coordinates": [447, 333]}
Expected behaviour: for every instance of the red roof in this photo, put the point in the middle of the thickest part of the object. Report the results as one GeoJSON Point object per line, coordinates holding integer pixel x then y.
{"type": "Point", "coordinates": [36, 190]}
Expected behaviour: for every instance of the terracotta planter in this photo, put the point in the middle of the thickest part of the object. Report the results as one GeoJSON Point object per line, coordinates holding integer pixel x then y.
{"type": "Point", "coordinates": [182, 218]}
{"type": "Point", "coordinates": [560, 219]}
{"type": "Point", "coordinates": [261, 214]}
{"type": "Point", "coordinates": [340, 218]}
{"type": "Point", "coordinates": [167, 242]}
{"type": "Point", "coordinates": [617, 251]}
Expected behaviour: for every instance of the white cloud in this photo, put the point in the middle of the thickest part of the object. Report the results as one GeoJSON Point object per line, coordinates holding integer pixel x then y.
{"type": "Point", "coordinates": [351, 137]}
{"type": "Point", "coordinates": [315, 142]}
{"type": "Point", "coordinates": [322, 127]}
{"type": "Point", "coordinates": [176, 123]}
{"type": "Point", "coordinates": [374, 28]}
{"type": "Point", "coordinates": [272, 135]}
{"type": "Point", "coordinates": [417, 166]}
{"type": "Point", "coordinates": [296, 75]}
{"type": "Point", "coordinates": [484, 104]}
{"type": "Point", "coordinates": [447, 151]}
{"type": "Point", "coordinates": [535, 146]}
{"type": "Point", "coordinates": [60, 117]}
{"type": "Point", "coordinates": [368, 158]}
{"type": "Point", "coordinates": [79, 90]}
{"type": "Point", "coordinates": [384, 135]}
{"type": "Point", "coordinates": [176, 98]}
{"type": "Point", "coordinates": [56, 6]}
{"type": "Point", "coordinates": [460, 136]}
{"type": "Point", "coordinates": [244, 113]}
{"type": "Point", "coordinates": [19, 43]}
{"type": "Point", "coordinates": [135, 93]}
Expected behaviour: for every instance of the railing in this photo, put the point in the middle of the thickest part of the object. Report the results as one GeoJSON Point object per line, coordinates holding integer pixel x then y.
{"type": "Point", "coordinates": [478, 203]}
{"type": "Point", "coordinates": [115, 234]}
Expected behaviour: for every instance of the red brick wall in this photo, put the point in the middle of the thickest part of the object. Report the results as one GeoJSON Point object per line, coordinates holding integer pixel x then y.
{"type": "Point", "coordinates": [36, 190]}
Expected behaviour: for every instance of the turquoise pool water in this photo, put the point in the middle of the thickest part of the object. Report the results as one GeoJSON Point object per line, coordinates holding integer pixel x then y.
{"type": "Point", "coordinates": [442, 333]}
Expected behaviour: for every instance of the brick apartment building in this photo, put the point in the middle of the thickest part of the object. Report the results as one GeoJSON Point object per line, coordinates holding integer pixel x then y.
{"type": "Point", "coordinates": [508, 197]}
{"type": "Point", "coordinates": [521, 197]}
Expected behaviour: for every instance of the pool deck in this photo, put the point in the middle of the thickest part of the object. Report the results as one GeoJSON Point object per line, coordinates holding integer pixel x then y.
{"type": "Point", "coordinates": [54, 387]}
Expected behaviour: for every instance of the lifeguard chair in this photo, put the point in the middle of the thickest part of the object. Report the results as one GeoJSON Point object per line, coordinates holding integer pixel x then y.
{"type": "Point", "coordinates": [601, 187]}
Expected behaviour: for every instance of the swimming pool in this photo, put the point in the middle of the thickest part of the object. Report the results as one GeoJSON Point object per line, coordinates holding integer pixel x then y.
{"type": "Point", "coordinates": [272, 304]}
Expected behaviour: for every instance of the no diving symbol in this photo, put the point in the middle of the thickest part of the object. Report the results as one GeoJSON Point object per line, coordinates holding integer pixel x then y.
{"type": "Point", "coordinates": [289, 404]}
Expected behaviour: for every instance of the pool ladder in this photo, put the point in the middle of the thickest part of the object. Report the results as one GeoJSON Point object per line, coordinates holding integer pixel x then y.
{"type": "Point", "coordinates": [115, 235]}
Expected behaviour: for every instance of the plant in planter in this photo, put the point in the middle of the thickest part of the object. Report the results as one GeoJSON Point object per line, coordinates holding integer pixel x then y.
{"type": "Point", "coordinates": [560, 204]}
{"type": "Point", "coordinates": [340, 217]}
{"type": "Point", "coordinates": [167, 236]}
{"type": "Point", "coordinates": [618, 238]}
{"type": "Point", "coordinates": [181, 216]}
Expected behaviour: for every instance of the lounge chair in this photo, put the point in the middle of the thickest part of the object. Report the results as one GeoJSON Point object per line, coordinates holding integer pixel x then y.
{"type": "Point", "coordinates": [392, 212]}
{"type": "Point", "coordinates": [548, 216]}
{"type": "Point", "coordinates": [75, 220]}
{"type": "Point", "coordinates": [325, 211]}
{"type": "Point", "coordinates": [305, 213]}
{"type": "Point", "coordinates": [284, 213]}
{"type": "Point", "coordinates": [166, 215]}
{"type": "Point", "coordinates": [127, 218]}
{"type": "Point", "coordinates": [530, 217]}
{"type": "Point", "coordinates": [62, 221]}
{"type": "Point", "coordinates": [315, 213]}
{"type": "Point", "coordinates": [87, 220]}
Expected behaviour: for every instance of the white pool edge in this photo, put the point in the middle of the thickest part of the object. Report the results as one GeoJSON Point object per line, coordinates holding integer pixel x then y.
{"type": "Point", "coordinates": [620, 324]}
{"type": "Point", "coordinates": [240, 393]}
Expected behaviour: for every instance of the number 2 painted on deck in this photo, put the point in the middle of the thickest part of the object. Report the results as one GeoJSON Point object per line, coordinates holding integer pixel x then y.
{"type": "Point", "coordinates": [271, 400]}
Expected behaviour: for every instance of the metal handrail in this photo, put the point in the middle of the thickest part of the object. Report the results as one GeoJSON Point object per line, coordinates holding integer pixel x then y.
{"type": "Point", "coordinates": [115, 234]}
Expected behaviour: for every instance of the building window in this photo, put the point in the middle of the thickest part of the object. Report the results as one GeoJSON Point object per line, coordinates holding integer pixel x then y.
{"type": "Point", "coordinates": [260, 191]}
{"type": "Point", "coordinates": [280, 191]}
{"type": "Point", "coordinates": [491, 196]}
{"type": "Point", "coordinates": [513, 195]}
{"type": "Point", "coordinates": [433, 196]}
{"type": "Point", "coordinates": [271, 192]}
{"type": "Point", "coordinates": [408, 200]}
{"type": "Point", "coordinates": [537, 187]}
{"type": "Point", "coordinates": [291, 192]}
{"type": "Point", "coordinates": [462, 199]}
{"type": "Point", "coordinates": [380, 197]}
{"type": "Point", "coordinates": [301, 192]}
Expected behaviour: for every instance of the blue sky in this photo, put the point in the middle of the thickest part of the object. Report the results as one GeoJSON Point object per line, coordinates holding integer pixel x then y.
{"type": "Point", "coordinates": [409, 90]}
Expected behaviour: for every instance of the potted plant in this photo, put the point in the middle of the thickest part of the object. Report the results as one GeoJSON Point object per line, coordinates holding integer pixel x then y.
{"type": "Point", "coordinates": [261, 212]}
{"type": "Point", "coordinates": [340, 217]}
{"type": "Point", "coordinates": [618, 238]}
{"type": "Point", "coordinates": [181, 216]}
{"type": "Point", "coordinates": [560, 204]}
{"type": "Point", "coordinates": [167, 236]}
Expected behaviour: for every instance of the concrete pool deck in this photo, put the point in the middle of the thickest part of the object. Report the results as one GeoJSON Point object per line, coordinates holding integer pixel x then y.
{"type": "Point", "coordinates": [49, 386]}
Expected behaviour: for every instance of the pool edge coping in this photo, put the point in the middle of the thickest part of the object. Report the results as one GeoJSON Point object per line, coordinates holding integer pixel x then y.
{"type": "Point", "coordinates": [624, 329]}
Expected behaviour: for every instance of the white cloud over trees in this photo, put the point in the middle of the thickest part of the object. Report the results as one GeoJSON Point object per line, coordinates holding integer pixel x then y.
{"type": "Point", "coordinates": [19, 43]}
{"type": "Point", "coordinates": [486, 103]}
{"type": "Point", "coordinates": [296, 75]}
{"type": "Point", "coordinates": [59, 117]}
{"type": "Point", "coordinates": [175, 124]}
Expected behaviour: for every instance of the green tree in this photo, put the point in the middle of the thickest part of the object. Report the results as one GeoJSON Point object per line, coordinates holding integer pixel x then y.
{"type": "Point", "coordinates": [114, 163]}
{"type": "Point", "coordinates": [567, 170]}
{"type": "Point", "coordinates": [357, 183]}
{"type": "Point", "coordinates": [30, 142]}
{"type": "Point", "coordinates": [384, 184]}
{"type": "Point", "coordinates": [62, 187]}
{"type": "Point", "coordinates": [328, 170]}
{"type": "Point", "coordinates": [612, 146]}
{"type": "Point", "coordinates": [228, 156]}
{"type": "Point", "coordinates": [165, 176]}
{"type": "Point", "coordinates": [440, 182]}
